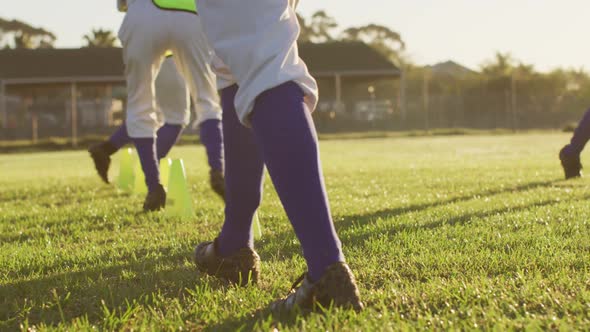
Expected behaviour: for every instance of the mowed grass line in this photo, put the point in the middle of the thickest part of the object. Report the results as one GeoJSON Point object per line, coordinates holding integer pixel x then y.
{"type": "Point", "coordinates": [475, 232]}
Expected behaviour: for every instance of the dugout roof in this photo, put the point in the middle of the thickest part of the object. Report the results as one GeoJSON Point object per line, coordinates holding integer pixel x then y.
{"type": "Point", "coordinates": [23, 66]}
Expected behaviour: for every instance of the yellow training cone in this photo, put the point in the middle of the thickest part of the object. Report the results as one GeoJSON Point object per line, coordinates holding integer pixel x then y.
{"type": "Point", "coordinates": [125, 181]}
{"type": "Point", "coordinates": [165, 171]}
{"type": "Point", "coordinates": [256, 229]}
{"type": "Point", "coordinates": [178, 201]}
{"type": "Point", "coordinates": [139, 188]}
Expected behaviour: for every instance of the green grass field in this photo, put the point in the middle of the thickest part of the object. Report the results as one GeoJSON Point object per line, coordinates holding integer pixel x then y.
{"type": "Point", "coordinates": [442, 232]}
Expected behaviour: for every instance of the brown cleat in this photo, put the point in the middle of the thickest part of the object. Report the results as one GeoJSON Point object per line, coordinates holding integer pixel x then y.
{"type": "Point", "coordinates": [155, 200]}
{"type": "Point", "coordinates": [572, 167]}
{"type": "Point", "coordinates": [217, 182]}
{"type": "Point", "coordinates": [102, 160]}
{"type": "Point", "coordinates": [241, 268]}
{"type": "Point", "coordinates": [337, 287]}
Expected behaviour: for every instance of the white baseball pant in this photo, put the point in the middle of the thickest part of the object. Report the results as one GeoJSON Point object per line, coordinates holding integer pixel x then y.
{"type": "Point", "coordinates": [172, 95]}
{"type": "Point", "coordinates": [147, 33]}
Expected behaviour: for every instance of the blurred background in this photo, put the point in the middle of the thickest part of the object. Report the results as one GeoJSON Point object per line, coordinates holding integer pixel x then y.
{"type": "Point", "coordinates": [63, 77]}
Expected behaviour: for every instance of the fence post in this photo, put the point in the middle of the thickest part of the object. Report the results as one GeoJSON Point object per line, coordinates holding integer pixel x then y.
{"type": "Point", "coordinates": [3, 109]}
{"type": "Point", "coordinates": [108, 116]}
{"type": "Point", "coordinates": [460, 122]}
{"type": "Point", "coordinates": [513, 102]}
{"type": "Point", "coordinates": [74, 102]}
{"type": "Point", "coordinates": [426, 101]}
{"type": "Point", "coordinates": [338, 87]}
{"type": "Point", "coordinates": [509, 113]}
{"type": "Point", "coordinates": [35, 127]}
{"type": "Point", "coordinates": [403, 96]}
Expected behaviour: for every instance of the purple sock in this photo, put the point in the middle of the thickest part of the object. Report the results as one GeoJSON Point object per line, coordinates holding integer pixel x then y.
{"type": "Point", "coordinates": [212, 139]}
{"type": "Point", "coordinates": [120, 138]}
{"type": "Point", "coordinates": [286, 136]}
{"type": "Point", "coordinates": [168, 135]}
{"type": "Point", "coordinates": [581, 136]}
{"type": "Point", "coordinates": [244, 171]}
{"type": "Point", "coordinates": [146, 149]}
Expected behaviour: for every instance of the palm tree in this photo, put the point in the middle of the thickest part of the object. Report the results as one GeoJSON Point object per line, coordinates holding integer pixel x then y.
{"type": "Point", "coordinates": [23, 35]}
{"type": "Point", "coordinates": [100, 38]}
{"type": "Point", "coordinates": [502, 65]}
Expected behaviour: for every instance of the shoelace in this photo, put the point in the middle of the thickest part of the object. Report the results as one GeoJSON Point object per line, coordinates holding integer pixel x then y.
{"type": "Point", "coordinates": [298, 281]}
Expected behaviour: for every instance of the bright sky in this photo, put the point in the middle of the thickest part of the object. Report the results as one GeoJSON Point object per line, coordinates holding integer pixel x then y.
{"type": "Point", "coordinates": [546, 33]}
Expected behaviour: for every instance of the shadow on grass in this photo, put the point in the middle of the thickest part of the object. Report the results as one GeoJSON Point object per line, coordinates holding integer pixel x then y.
{"type": "Point", "coordinates": [346, 222]}
{"type": "Point", "coordinates": [65, 296]}
{"type": "Point", "coordinates": [86, 293]}
{"type": "Point", "coordinates": [74, 193]}
{"type": "Point", "coordinates": [360, 237]}
{"type": "Point", "coordinates": [396, 212]}
{"type": "Point", "coordinates": [40, 226]}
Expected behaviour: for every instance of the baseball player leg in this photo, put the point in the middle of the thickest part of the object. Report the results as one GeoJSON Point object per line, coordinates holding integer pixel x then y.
{"type": "Point", "coordinates": [570, 154]}
{"type": "Point", "coordinates": [287, 138]}
{"type": "Point", "coordinates": [212, 139]}
{"type": "Point", "coordinates": [143, 55]}
{"type": "Point", "coordinates": [193, 56]}
{"type": "Point", "coordinates": [275, 96]}
{"type": "Point", "coordinates": [581, 136]}
{"type": "Point", "coordinates": [263, 57]}
{"type": "Point", "coordinates": [244, 171]}
{"type": "Point", "coordinates": [141, 117]}
{"type": "Point", "coordinates": [101, 153]}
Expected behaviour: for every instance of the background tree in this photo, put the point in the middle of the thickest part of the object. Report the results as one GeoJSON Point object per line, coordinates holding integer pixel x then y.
{"type": "Point", "coordinates": [19, 34]}
{"type": "Point", "coordinates": [319, 29]}
{"type": "Point", "coordinates": [502, 64]}
{"type": "Point", "coordinates": [100, 38]}
{"type": "Point", "coordinates": [306, 33]}
{"type": "Point", "coordinates": [383, 39]}
{"type": "Point", "coordinates": [322, 26]}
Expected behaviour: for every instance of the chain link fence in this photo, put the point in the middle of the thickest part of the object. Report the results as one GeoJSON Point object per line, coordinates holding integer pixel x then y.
{"type": "Point", "coordinates": [365, 103]}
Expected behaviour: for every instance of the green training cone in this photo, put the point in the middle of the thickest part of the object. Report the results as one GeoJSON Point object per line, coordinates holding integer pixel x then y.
{"type": "Point", "coordinates": [139, 188]}
{"type": "Point", "coordinates": [165, 171]}
{"type": "Point", "coordinates": [125, 181]}
{"type": "Point", "coordinates": [256, 229]}
{"type": "Point", "coordinates": [178, 201]}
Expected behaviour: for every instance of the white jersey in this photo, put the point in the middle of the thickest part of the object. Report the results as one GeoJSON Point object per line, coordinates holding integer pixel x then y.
{"type": "Point", "coordinates": [256, 45]}
{"type": "Point", "coordinates": [224, 77]}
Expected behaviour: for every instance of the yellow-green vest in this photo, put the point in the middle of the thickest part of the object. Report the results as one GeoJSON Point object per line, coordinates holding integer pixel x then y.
{"type": "Point", "coordinates": [181, 5]}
